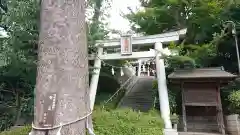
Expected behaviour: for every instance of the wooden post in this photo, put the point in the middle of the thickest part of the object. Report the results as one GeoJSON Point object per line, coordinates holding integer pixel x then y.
{"type": "Point", "coordinates": [184, 108]}
{"type": "Point", "coordinates": [220, 111]}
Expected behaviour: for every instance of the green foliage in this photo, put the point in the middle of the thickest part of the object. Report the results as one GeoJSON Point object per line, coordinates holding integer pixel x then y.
{"type": "Point", "coordinates": [113, 103]}
{"type": "Point", "coordinates": [107, 82]}
{"type": "Point", "coordinates": [117, 122]}
{"type": "Point", "coordinates": [96, 26]}
{"type": "Point", "coordinates": [200, 17]}
{"type": "Point", "coordinates": [127, 122]}
{"type": "Point", "coordinates": [202, 54]}
{"type": "Point", "coordinates": [6, 120]}
{"type": "Point", "coordinates": [171, 95]}
{"type": "Point", "coordinates": [191, 55]}
{"type": "Point", "coordinates": [234, 99]}
{"type": "Point", "coordinates": [18, 131]}
{"type": "Point", "coordinates": [174, 118]}
{"type": "Point", "coordinates": [155, 84]}
{"type": "Point", "coordinates": [173, 98]}
{"type": "Point", "coordinates": [180, 62]}
{"type": "Point", "coordinates": [225, 95]}
{"type": "Point", "coordinates": [18, 66]}
{"type": "Point", "coordinates": [207, 42]}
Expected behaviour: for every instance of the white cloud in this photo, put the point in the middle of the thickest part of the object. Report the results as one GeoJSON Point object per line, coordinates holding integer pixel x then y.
{"type": "Point", "coordinates": [118, 7]}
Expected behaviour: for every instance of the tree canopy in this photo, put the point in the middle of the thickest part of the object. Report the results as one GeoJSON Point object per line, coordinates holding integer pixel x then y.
{"type": "Point", "coordinates": [209, 40]}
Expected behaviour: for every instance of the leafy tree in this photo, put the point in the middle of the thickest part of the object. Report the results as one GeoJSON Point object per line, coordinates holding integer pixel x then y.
{"type": "Point", "coordinates": [18, 58]}
{"type": "Point", "coordinates": [204, 21]}
{"type": "Point", "coordinates": [96, 26]}
{"type": "Point", "coordinates": [200, 17]}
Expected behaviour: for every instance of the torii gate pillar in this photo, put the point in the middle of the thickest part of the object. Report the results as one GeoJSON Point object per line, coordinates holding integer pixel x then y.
{"type": "Point", "coordinates": [163, 92]}
{"type": "Point", "coordinates": [95, 78]}
{"type": "Point", "coordinates": [162, 88]}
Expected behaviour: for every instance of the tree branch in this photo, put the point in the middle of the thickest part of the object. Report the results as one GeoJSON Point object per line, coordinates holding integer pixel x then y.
{"type": "Point", "coordinates": [9, 91]}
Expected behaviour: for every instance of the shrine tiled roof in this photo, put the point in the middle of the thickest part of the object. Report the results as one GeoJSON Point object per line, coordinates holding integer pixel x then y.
{"type": "Point", "coordinates": [200, 73]}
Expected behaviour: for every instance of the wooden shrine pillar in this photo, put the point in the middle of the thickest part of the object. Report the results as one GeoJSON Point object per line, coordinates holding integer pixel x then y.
{"type": "Point", "coordinates": [220, 111]}
{"type": "Point", "coordinates": [184, 109]}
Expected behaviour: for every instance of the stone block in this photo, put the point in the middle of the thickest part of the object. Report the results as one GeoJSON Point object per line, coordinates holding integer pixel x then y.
{"type": "Point", "coordinates": [170, 132]}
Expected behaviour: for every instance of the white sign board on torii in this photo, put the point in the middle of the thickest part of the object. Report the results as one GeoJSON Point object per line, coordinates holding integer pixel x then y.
{"type": "Point", "coordinates": [126, 43]}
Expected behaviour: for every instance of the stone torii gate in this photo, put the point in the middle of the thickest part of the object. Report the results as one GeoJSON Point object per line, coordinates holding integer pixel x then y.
{"type": "Point", "coordinates": [126, 43]}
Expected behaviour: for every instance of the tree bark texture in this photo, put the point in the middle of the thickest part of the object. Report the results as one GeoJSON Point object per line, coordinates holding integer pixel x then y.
{"type": "Point", "coordinates": [62, 68]}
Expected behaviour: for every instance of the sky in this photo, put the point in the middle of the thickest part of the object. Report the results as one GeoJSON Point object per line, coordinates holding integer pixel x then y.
{"type": "Point", "coordinates": [118, 7]}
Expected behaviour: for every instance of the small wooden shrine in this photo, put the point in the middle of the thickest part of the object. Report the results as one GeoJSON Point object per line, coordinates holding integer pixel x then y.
{"type": "Point", "coordinates": [201, 101]}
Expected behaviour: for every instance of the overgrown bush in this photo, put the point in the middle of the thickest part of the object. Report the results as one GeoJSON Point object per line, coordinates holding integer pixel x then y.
{"type": "Point", "coordinates": [234, 99]}
{"type": "Point", "coordinates": [6, 120]}
{"type": "Point", "coordinates": [18, 131]}
{"type": "Point", "coordinates": [117, 122]}
{"type": "Point", "coordinates": [111, 103]}
{"type": "Point", "coordinates": [127, 122]}
{"type": "Point", "coordinates": [171, 96]}
{"type": "Point", "coordinates": [228, 93]}
{"type": "Point", "coordinates": [174, 118]}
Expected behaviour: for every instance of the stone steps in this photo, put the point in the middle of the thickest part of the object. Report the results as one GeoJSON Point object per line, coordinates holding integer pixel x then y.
{"type": "Point", "coordinates": [140, 96]}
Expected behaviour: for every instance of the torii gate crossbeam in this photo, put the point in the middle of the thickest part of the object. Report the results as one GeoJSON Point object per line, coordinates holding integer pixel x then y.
{"type": "Point", "coordinates": [157, 40]}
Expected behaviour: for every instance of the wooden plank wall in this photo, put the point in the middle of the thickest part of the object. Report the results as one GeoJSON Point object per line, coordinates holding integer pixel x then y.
{"type": "Point", "coordinates": [208, 124]}
{"type": "Point", "coordinates": [200, 94]}
{"type": "Point", "coordinates": [200, 124]}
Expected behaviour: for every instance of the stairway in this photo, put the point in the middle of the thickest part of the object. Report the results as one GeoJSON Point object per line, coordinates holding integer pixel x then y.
{"type": "Point", "coordinates": [139, 95]}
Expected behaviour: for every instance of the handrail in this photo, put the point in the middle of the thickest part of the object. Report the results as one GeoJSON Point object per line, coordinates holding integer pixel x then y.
{"type": "Point", "coordinates": [122, 86]}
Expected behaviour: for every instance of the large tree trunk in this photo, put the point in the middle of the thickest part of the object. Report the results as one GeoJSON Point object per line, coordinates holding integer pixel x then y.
{"type": "Point", "coordinates": [63, 68]}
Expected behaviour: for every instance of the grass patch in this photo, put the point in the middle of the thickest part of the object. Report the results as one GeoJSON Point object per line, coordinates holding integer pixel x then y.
{"type": "Point", "coordinates": [117, 122]}
{"type": "Point", "coordinates": [18, 131]}
{"type": "Point", "coordinates": [127, 122]}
